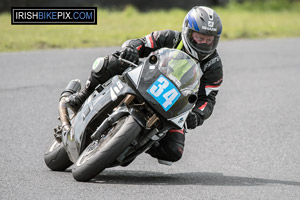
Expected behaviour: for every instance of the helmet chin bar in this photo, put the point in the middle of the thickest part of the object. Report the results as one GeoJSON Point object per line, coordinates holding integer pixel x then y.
{"type": "Point", "coordinates": [203, 46]}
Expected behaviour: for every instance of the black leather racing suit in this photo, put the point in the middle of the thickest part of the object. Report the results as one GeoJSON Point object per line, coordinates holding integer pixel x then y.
{"type": "Point", "coordinates": [171, 147]}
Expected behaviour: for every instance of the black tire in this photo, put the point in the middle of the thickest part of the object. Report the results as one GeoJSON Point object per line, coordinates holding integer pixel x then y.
{"type": "Point", "coordinates": [56, 157]}
{"type": "Point", "coordinates": [101, 154]}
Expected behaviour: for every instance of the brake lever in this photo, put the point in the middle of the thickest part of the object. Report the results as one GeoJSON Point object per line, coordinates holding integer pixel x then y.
{"type": "Point", "coordinates": [127, 62]}
{"type": "Point", "coordinates": [117, 55]}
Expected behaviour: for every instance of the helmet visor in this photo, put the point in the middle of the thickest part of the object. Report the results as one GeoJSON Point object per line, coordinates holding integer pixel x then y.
{"type": "Point", "coordinates": [202, 43]}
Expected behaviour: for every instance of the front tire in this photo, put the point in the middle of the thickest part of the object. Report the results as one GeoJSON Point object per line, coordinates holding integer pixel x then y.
{"type": "Point", "coordinates": [100, 154]}
{"type": "Point", "coordinates": [56, 157]}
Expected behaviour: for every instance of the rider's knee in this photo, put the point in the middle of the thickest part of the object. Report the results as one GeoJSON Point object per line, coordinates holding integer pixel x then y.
{"type": "Point", "coordinates": [100, 64]}
{"type": "Point", "coordinates": [174, 151]}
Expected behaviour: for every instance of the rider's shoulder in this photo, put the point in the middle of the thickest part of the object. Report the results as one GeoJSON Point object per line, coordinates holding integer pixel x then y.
{"type": "Point", "coordinates": [212, 62]}
{"type": "Point", "coordinates": [167, 33]}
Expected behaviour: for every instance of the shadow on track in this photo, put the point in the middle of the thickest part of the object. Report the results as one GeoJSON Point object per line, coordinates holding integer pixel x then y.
{"type": "Point", "coordinates": [193, 178]}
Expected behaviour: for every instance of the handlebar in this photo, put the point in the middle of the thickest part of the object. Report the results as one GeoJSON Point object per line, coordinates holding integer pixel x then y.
{"type": "Point", "coordinates": [117, 55]}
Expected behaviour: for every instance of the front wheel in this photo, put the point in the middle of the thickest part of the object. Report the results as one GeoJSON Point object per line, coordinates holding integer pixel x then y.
{"type": "Point", "coordinates": [56, 157]}
{"type": "Point", "coordinates": [100, 154]}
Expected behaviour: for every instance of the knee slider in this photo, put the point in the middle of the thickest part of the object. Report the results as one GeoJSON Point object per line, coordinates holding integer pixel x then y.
{"type": "Point", "coordinates": [172, 151]}
{"type": "Point", "coordinates": [176, 151]}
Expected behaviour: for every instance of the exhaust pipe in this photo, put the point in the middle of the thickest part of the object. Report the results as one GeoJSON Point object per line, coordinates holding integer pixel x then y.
{"type": "Point", "coordinates": [73, 87]}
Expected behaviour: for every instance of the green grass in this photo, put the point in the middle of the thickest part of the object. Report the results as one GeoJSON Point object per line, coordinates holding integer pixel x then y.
{"type": "Point", "coordinates": [114, 27]}
{"type": "Point", "coordinates": [262, 19]}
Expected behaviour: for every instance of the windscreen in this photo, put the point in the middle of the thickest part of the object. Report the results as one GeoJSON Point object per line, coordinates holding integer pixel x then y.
{"type": "Point", "coordinates": [181, 69]}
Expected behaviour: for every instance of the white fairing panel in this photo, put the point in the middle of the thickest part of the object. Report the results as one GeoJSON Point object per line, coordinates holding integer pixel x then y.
{"type": "Point", "coordinates": [135, 75]}
{"type": "Point", "coordinates": [113, 94]}
{"type": "Point", "coordinates": [179, 120]}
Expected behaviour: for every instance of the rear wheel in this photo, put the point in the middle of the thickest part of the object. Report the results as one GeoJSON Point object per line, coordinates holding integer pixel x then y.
{"type": "Point", "coordinates": [100, 154]}
{"type": "Point", "coordinates": [56, 157]}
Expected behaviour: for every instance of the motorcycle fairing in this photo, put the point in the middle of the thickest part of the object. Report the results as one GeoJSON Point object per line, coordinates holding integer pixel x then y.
{"type": "Point", "coordinates": [94, 110]}
{"type": "Point", "coordinates": [144, 76]}
{"type": "Point", "coordinates": [164, 92]}
{"type": "Point", "coordinates": [135, 75]}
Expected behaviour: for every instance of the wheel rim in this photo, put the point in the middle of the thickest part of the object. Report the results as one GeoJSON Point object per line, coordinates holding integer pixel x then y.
{"type": "Point", "coordinates": [97, 145]}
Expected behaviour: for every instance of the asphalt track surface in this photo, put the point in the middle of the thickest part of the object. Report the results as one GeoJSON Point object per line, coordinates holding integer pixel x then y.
{"type": "Point", "coordinates": [248, 149]}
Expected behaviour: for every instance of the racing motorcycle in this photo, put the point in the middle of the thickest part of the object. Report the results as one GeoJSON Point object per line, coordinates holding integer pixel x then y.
{"type": "Point", "coordinates": [126, 115]}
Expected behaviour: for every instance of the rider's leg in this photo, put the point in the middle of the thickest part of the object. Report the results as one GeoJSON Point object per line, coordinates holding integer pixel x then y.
{"type": "Point", "coordinates": [170, 148]}
{"type": "Point", "coordinates": [104, 68]}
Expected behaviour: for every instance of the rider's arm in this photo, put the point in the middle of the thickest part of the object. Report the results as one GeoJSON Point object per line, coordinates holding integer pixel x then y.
{"type": "Point", "coordinates": [209, 87]}
{"type": "Point", "coordinates": [154, 41]}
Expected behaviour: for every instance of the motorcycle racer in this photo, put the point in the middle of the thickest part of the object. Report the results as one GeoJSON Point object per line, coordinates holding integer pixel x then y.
{"type": "Point", "coordinates": [201, 31]}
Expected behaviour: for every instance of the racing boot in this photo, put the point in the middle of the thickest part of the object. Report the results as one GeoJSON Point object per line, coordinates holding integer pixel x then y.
{"type": "Point", "coordinates": [76, 100]}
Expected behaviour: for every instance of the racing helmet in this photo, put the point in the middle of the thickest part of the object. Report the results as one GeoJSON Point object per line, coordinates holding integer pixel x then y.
{"type": "Point", "coordinates": [205, 21]}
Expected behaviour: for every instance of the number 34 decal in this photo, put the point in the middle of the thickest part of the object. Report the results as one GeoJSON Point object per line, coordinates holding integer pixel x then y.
{"type": "Point", "coordinates": [164, 92]}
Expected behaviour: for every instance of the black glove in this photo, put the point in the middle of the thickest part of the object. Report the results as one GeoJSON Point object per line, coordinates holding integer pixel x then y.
{"type": "Point", "coordinates": [130, 53]}
{"type": "Point", "coordinates": [193, 120]}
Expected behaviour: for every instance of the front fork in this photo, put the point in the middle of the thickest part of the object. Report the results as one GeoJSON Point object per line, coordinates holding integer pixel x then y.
{"type": "Point", "coordinates": [151, 136]}
{"type": "Point", "coordinates": [123, 109]}
{"type": "Point", "coordinates": [150, 122]}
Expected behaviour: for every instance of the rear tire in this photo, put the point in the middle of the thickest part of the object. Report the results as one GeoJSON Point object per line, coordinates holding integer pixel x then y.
{"type": "Point", "coordinates": [56, 157]}
{"type": "Point", "coordinates": [101, 154]}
